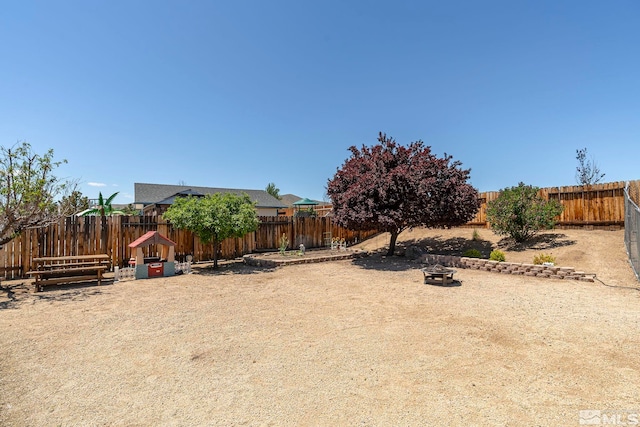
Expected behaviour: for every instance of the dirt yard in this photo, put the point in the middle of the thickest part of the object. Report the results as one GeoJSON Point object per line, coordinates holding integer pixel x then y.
{"type": "Point", "coordinates": [360, 342]}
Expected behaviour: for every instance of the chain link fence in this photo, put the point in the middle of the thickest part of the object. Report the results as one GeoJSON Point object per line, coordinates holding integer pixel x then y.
{"type": "Point", "coordinates": [632, 224]}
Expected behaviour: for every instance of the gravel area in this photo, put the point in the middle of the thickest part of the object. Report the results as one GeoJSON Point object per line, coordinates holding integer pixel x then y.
{"type": "Point", "coordinates": [352, 342]}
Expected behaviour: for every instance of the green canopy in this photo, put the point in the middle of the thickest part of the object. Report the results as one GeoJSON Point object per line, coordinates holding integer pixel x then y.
{"type": "Point", "coordinates": [305, 202]}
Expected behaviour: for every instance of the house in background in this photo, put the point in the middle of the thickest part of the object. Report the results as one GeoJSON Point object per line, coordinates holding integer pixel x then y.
{"type": "Point", "coordinates": [155, 199]}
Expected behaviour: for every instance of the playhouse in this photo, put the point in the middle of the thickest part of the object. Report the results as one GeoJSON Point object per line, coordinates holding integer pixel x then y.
{"type": "Point", "coordinates": [146, 267]}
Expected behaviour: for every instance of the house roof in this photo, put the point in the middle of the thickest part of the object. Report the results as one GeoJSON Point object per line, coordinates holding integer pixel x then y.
{"type": "Point", "coordinates": [147, 194]}
{"type": "Point", "coordinates": [170, 200]}
{"type": "Point", "coordinates": [151, 238]}
{"type": "Point", "coordinates": [289, 199]}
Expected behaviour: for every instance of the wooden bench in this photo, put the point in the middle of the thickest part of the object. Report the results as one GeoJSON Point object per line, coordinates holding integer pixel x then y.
{"type": "Point", "coordinates": [68, 269]}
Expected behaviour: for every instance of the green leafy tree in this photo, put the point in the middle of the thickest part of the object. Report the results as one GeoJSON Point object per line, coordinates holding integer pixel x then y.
{"type": "Point", "coordinates": [73, 203]}
{"type": "Point", "coordinates": [28, 189]}
{"type": "Point", "coordinates": [104, 207]}
{"type": "Point", "coordinates": [587, 171]}
{"type": "Point", "coordinates": [273, 190]}
{"type": "Point", "coordinates": [390, 187]}
{"type": "Point", "coordinates": [214, 217]}
{"type": "Point", "coordinates": [520, 212]}
{"type": "Point", "coordinates": [130, 210]}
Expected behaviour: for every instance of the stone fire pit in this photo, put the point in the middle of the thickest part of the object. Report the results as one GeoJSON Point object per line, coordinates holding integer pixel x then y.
{"type": "Point", "coordinates": [438, 275]}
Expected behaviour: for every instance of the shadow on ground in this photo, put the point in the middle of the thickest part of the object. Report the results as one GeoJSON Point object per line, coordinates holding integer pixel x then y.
{"type": "Point", "coordinates": [408, 252]}
{"type": "Point", "coordinates": [454, 284]}
{"type": "Point", "coordinates": [230, 268]}
{"type": "Point", "coordinates": [380, 261]}
{"type": "Point", "coordinates": [18, 293]}
{"type": "Point", "coordinates": [11, 294]}
{"type": "Point", "coordinates": [540, 242]}
{"type": "Point", "coordinates": [453, 246]}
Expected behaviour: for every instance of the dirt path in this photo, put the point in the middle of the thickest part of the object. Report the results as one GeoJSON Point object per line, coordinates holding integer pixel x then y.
{"type": "Point", "coordinates": [339, 343]}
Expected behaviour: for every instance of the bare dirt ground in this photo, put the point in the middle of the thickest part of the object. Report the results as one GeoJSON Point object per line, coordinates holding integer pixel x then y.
{"type": "Point", "coordinates": [360, 342]}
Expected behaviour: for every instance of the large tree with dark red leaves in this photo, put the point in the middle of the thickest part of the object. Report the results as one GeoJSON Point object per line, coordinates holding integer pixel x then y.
{"type": "Point", "coordinates": [390, 187]}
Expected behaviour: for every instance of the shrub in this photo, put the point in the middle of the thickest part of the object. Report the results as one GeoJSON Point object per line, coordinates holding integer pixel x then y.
{"type": "Point", "coordinates": [306, 213]}
{"type": "Point", "coordinates": [284, 242]}
{"type": "Point", "coordinates": [476, 236]}
{"type": "Point", "coordinates": [519, 212]}
{"type": "Point", "coordinates": [497, 256]}
{"type": "Point", "coordinates": [472, 253]}
{"type": "Point", "coordinates": [542, 258]}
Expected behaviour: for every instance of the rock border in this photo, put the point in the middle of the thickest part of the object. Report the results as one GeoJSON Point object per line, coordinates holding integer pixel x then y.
{"type": "Point", "coordinates": [532, 270]}
{"type": "Point", "coordinates": [523, 269]}
{"type": "Point", "coordinates": [262, 261]}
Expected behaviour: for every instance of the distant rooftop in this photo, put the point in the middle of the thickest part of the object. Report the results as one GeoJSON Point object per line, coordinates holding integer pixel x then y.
{"type": "Point", "coordinates": [147, 194]}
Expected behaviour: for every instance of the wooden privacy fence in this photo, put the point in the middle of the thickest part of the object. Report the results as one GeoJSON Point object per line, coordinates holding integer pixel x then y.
{"type": "Point", "coordinates": [88, 235]}
{"type": "Point", "coordinates": [309, 231]}
{"type": "Point", "coordinates": [634, 192]}
{"type": "Point", "coordinates": [599, 205]}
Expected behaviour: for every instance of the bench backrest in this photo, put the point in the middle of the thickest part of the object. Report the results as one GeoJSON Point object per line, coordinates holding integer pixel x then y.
{"type": "Point", "coordinates": [99, 259]}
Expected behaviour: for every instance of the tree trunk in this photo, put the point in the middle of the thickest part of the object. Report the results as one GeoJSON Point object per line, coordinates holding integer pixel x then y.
{"type": "Point", "coordinates": [103, 234]}
{"type": "Point", "coordinates": [216, 244]}
{"type": "Point", "coordinates": [392, 243]}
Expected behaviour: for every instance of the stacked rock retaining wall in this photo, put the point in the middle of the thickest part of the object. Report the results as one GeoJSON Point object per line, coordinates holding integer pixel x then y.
{"type": "Point", "coordinates": [533, 270]}
{"type": "Point", "coordinates": [274, 259]}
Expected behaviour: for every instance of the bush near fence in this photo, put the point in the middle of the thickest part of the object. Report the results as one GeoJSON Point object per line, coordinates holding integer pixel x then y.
{"type": "Point", "coordinates": [585, 206]}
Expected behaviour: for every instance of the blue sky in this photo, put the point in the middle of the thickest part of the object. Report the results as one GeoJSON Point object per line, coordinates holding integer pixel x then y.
{"type": "Point", "coordinates": [242, 93]}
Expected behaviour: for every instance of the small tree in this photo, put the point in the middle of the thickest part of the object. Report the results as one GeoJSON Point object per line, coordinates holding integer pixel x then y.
{"type": "Point", "coordinates": [214, 217]}
{"type": "Point", "coordinates": [273, 190]}
{"type": "Point", "coordinates": [390, 188]}
{"type": "Point", "coordinates": [28, 189]}
{"type": "Point", "coordinates": [131, 210]}
{"type": "Point", "coordinates": [519, 212]}
{"type": "Point", "coordinates": [73, 203]}
{"type": "Point", "coordinates": [587, 171]}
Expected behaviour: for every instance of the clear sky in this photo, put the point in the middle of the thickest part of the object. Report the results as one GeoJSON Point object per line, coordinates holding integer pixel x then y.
{"type": "Point", "coordinates": [242, 93]}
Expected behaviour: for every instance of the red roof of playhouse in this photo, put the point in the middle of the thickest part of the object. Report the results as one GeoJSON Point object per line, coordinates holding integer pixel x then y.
{"type": "Point", "coordinates": [151, 238]}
